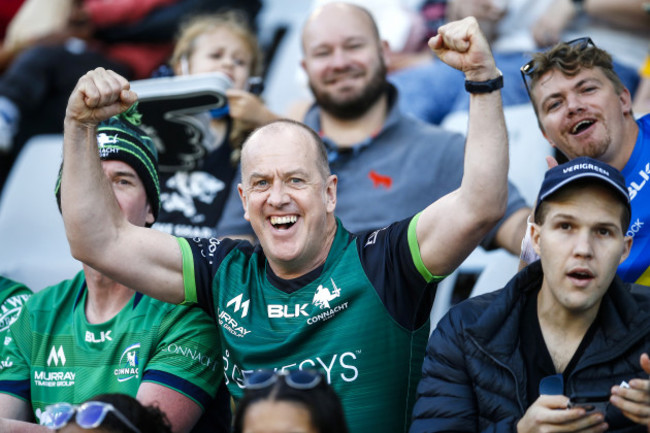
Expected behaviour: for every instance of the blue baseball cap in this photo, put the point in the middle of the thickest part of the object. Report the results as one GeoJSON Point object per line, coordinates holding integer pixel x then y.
{"type": "Point", "coordinates": [583, 168]}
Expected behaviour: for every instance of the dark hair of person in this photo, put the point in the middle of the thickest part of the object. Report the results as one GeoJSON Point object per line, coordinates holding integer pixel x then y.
{"type": "Point", "coordinates": [578, 187]}
{"type": "Point", "coordinates": [570, 60]}
{"type": "Point", "coordinates": [322, 403]}
{"type": "Point", "coordinates": [149, 419]}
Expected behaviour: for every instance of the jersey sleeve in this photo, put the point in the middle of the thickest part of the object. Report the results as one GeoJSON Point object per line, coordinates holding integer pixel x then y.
{"type": "Point", "coordinates": [187, 357]}
{"type": "Point", "coordinates": [201, 260]}
{"type": "Point", "coordinates": [391, 260]}
{"type": "Point", "coordinates": [15, 358]}
{"type": "Point", "coordinates": [13, 296]}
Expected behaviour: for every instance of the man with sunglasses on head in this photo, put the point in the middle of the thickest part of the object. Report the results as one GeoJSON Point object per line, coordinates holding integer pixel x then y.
{"type": "Point", "coordinates": [311, 294]}
{"type": "Point", "coordinates": [563, 346]}
{"type": "Point", "coordinates": [92, 334]}
{"type": "Point", "coordinates": [583, 109]}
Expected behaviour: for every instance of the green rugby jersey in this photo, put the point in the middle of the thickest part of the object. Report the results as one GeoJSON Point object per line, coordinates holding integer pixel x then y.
{"type": "Point", "coordinates": [56, 356]}
{"type": "Point", "coordinates": [362, 318]}
{"type": "Point", "coordinates": [13, 296]}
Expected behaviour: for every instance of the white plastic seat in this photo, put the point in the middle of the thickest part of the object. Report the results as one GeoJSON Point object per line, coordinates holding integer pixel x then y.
{"type": "Point", "coordinates": [34, 249]}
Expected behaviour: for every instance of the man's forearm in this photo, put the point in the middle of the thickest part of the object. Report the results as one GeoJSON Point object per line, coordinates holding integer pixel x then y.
{"type": "Point", "coordinates": [485, 178]}
{"type": "Point", "coordinates": [90, 212]}
{"type": "Point", "coordinates": [86, 195]}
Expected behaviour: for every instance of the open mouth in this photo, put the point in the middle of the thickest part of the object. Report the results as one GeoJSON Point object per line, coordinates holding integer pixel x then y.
{"type": "Point", "coordinates": [283, 222]}
{"type": "Point", "coordinates": [581, 275]}
{"type": "Point", "coordinates": [581, 126]}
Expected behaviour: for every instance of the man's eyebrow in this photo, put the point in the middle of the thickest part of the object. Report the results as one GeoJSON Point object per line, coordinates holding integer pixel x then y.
{"type": "Point", "coordinates": [123, 173]}
{"type": "Point", "coordinates": [607, 224]}
{"type": "Point", "coordinates": [347, 40]}
{"type": "Point", "coordinates": [563, 216]}
{"type": "Point", "coordinates": [570, 217]}
{"type": "Point", "coordinates": [298, 171]}
{"type": "Point", "coordinates": [586, 80]}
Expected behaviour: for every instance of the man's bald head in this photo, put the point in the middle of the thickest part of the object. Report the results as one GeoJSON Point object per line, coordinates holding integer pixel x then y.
{"type": "Point", "coordinates": [338, 9]}
{"type": "Point", "coordinates": [285, 128]}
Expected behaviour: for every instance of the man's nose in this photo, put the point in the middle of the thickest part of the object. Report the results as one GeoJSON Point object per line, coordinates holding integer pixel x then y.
{"type": "Point", "coordinates": [278, 194]}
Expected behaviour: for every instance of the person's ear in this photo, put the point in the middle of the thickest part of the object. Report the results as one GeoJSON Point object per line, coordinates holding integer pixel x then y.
{"type": "Point", "coordinates": [149, 220]}
{"type": "Point", "coordinates": [535, 231]}
{"type": "Point", "coordinates": [626, 101]}
{"type": "Point", "coordinates": [244, 201]}
{"type": "Point", "coordinates": [627, 247]}
{"type": "Point", "coordinates": [330, 192]}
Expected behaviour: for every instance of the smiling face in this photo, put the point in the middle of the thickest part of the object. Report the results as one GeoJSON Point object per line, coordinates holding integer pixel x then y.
{"type": "Point", "coordinates": [344, 60]}
{"type": "Point", "coordinates": [129, 192]}
{"type": "Point", "coordinates": [583, 115]}
{"type": "Point", "coordinates": [222, 50]}
{"type": "Point", "coordinates": [287, 198]}
{"type": "Point", "coordinates": [581, 242]}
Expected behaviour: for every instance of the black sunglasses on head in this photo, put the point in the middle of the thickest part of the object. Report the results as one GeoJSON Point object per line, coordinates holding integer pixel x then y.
{"type": "Point", "coordinates": [528, 69]}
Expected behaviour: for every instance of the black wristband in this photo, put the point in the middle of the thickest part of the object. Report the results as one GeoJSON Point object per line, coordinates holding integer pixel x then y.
{"type": "Point", "coordinates": [485, 86]}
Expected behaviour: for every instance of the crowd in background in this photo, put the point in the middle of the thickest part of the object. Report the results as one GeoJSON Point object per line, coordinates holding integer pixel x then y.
{"type": "Point", "coordinates": [141, 363]}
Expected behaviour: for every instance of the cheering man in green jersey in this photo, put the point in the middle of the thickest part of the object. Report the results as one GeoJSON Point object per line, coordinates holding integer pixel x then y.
{"type": "Point", "coordinates": [91, 335]}
{"type": "Point", "coordinates": [311, 295]}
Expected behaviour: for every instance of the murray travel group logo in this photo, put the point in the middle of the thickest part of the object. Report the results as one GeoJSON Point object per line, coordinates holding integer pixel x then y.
{"type": "Point", "coordinates": [54, 379]}
{"type": "Point", "coordinates": [227, 320]}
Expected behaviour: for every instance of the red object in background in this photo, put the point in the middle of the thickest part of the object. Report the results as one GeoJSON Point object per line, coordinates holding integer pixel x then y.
{"type": "Point", "coordinates": [8, 9]}
{"type": "Point", "coordinates": [380, 180]}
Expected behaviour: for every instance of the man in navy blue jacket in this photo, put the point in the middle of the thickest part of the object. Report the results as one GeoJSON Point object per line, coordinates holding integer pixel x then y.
{"type": "Point", "coordinates": [564, 326]}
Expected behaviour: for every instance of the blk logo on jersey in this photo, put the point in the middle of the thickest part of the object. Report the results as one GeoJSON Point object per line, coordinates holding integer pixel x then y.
{"type": "Point", "coordinates": [277, 311]}
{"type": "Point", "coordinates": [103, 336]}
{"type": "Point", "coordinates": [322, 298]}
{"type": "Point", "coordinates": [634, 187]}
{"type": "Point", "coordinates": [129, 364]}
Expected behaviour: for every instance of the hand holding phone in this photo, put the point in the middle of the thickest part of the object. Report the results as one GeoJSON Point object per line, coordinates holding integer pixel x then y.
{"type": "Point", "coordinates": [590, 402]}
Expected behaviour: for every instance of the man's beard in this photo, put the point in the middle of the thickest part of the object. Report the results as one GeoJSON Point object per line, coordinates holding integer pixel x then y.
{"type": "Point", "coordinates": [357, 107]}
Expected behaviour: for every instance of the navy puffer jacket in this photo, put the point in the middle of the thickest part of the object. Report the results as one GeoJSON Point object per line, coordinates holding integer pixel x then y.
{"type": "Point", "coordinates": [474, 377]}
